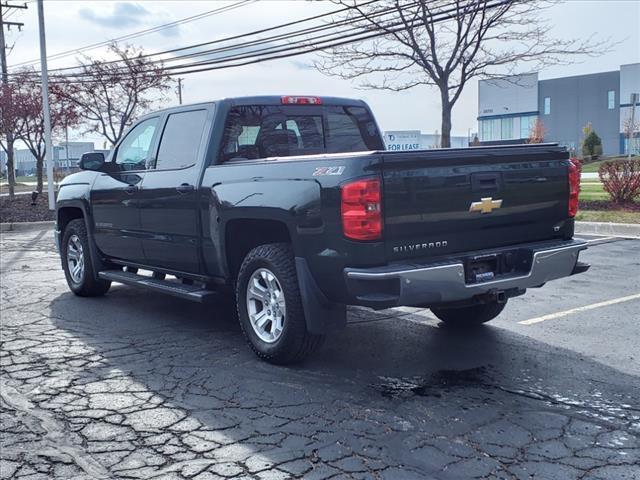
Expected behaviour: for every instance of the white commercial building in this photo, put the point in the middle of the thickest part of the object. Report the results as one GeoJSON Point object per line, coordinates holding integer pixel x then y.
{"type": "Point", "coordinates": [509, 107]}
{"type": "Point", "coordinates": [65, 156]}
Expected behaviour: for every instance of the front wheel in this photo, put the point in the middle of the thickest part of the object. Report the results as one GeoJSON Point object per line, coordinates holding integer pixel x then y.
{"type": "Point", "coordinates": [270, 308]}
{"type": "Point", "coordinates": [471, 316]}
{"type": "Point", "coordinates": [76, 263]}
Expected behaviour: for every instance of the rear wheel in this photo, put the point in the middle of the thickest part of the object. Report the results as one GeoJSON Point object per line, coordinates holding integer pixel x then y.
{"type": "Point", "coordinates": [76, 262]}
{"type": "Point", "coordinates": [470, 316]}
{"type": "Point", "coordinates": [270, 308]}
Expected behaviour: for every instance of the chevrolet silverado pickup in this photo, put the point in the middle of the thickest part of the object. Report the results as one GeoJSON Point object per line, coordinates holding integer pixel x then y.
{"type": "Point", "coordinates": [292, 205]}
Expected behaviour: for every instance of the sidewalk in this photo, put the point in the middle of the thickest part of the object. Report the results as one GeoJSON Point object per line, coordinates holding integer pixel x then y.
{"type": "Point", "coordinates": [624, 230]}
{"type": "Point", "coordinates": [32, 184]}
{"type": "Point", "coordinates": [589, 176]}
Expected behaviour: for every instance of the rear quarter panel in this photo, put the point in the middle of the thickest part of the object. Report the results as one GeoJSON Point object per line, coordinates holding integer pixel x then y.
{"type": "Point", "coordinates": [302, 194]}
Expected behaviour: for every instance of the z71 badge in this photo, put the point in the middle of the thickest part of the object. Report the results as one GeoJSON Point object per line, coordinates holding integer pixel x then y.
{"type": "Point", "coordinates": [321, 171]}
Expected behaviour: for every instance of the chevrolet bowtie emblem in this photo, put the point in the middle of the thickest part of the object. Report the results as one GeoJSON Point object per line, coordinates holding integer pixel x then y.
{"type": "Point", "coordinates": [485, 205]}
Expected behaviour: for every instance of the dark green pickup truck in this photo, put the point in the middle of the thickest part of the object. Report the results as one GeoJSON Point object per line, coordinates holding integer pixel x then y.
{"type": "Point", "coordinates": [292, 205]}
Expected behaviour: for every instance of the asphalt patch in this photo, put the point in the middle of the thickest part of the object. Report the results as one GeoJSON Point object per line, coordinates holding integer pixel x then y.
{"type": "Point", "coordinates": [434, 384]}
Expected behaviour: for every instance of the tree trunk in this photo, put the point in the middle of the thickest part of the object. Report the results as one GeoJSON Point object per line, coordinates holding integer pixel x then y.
{"type": "Point", "coordinates": [39, 173]}
{"type": "Point", "coordinates": [11, 166]}
{"type": "Point", "coordinates": [445, 139]}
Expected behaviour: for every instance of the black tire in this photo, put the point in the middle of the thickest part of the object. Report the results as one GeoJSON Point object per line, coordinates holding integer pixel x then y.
{"type": "Point", "coordinates": [471, 316]}
{"type": "Point", "coordinates": [87, 285]}
{"type": "Point", "coordinates": [295, 343]}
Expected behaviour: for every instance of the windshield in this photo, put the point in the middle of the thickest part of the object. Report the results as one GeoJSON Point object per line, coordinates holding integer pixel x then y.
{"type": "Point", "coordinates": [259, 131]}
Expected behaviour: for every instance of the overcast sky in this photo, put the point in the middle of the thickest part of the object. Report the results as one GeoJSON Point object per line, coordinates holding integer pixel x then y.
{"type": "Point", "coordinates": [73, 24]}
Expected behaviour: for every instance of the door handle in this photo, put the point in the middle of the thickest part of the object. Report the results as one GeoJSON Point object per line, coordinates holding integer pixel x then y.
{"type": "Point", "coordinates": [131, 189]}
{"type": "Point", "coordinates": [185, 188]}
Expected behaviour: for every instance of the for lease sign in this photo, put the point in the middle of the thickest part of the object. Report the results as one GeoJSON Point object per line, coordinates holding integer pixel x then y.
{"type": "Point", "coordinates": [402, 140]}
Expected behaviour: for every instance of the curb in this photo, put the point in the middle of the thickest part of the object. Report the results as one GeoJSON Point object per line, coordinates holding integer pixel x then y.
{"type": "Point", "coordinates": [628, 230]}
{"type": "Point", "coordinates": [26, 226]}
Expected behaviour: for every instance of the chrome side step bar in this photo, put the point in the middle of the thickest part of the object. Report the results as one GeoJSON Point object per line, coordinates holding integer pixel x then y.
{"type": "Point", "coordinates": [194, 293]}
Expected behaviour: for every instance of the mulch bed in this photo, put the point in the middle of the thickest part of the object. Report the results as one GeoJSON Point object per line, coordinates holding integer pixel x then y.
{"type": "Point", "coordinates": [606, 205]}
{"type": "Point", "coordinates": [20, 209]}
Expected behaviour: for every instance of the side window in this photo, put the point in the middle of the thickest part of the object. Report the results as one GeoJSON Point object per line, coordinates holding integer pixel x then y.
{"type": "Point", "coordinates": [181, 139]}
{"type": "Point", "coordinates": [134, 150]}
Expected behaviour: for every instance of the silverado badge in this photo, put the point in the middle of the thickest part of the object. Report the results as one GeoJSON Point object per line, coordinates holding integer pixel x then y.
{"type": "Point", "coordinates": [485, 205]}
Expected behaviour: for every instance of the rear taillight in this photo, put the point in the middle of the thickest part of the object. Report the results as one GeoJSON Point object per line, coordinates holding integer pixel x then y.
{"type": "Point", "coordinates": [362, 210]}
{"type": "Point", "coordinates": [574, 185]}
{"type": "Point", "coordinates": [290, 100]}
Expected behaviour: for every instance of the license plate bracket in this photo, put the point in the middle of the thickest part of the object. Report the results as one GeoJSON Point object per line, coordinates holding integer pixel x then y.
{"type": "Point", "coordinates": [482, 269]}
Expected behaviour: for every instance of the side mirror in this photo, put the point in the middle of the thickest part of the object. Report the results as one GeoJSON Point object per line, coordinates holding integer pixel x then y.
{"type": "Point", "coordinates": [91, 161]}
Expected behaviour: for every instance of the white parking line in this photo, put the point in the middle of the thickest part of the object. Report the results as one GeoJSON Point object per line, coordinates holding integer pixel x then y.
{"type": "Point", "coordinates": [584, 308]}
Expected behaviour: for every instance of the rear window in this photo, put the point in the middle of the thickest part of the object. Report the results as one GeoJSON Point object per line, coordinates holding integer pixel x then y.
{"type": "Point", "coordinates": [259, 131]}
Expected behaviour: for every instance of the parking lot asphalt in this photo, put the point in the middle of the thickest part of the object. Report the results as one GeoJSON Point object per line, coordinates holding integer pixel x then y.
{"type": "Point", "coordinates": [138, 385]}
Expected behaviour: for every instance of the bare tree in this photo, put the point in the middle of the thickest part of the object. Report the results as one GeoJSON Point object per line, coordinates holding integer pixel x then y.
{"type": "Point", "coordinates": [24, 114]}
{"type": "Point", "coordinates": [446, 43]}
{"type": "Point", "coordinates": [7, 132]}
{"type": "Point", "coordinates": [110, 95]}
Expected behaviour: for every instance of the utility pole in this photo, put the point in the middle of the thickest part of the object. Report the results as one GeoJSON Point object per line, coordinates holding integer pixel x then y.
{"type": "Point", "coordinates": [45, 107]}
{"type": "Point", "coordinates": [11, 171]}
{"type": "Point", "coordinates": [180, 91]}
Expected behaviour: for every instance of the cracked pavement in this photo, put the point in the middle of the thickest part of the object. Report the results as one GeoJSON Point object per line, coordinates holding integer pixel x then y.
{"type": "Point", "coordinates": [138, 385]}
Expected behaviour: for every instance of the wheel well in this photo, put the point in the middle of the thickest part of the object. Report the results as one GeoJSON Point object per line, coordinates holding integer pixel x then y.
{"type": "Point", "coordinates": [66, 214]}
{"type": "Point", "coordinates": [243, 235]}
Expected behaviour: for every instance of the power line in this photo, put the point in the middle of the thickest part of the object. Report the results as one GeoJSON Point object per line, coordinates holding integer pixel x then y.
{"type": "Point", "coordinates": [335, 39]}
{"type": "Point", "coordinates": [266, 40]}
{"type": "Point", "coordinates": [234, 37]}
{"type": "Point", "coordinates": [140, 33]}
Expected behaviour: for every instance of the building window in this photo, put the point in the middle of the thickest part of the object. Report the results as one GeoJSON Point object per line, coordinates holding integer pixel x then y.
{"type": "Point", "coordinates": [611, 99]}
{"type": "Point", "coordinates": [484, 130]}
{"type": "Point", "coordinates": [547, 105]}
{"type": "Point", "coordinates": [506, 129]}
{"type": "Point", "coordinates": [526, 125]}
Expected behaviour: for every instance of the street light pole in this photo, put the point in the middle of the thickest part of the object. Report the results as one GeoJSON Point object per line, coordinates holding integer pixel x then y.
{"type": "Point", "coordinates": [45, 107]}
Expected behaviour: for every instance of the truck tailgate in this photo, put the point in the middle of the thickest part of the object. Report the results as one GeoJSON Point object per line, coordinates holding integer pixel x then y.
{"type": "Point", "coordinates": [459, 200]}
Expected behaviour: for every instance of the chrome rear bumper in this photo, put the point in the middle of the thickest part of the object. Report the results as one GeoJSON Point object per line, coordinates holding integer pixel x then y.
{"type": "Point", "coordinates": [396, 285]}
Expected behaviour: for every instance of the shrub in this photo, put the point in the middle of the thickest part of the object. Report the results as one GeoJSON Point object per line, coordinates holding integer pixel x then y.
{"type": "Point", "coordinates": [621, 179]}
{"type": "Point", "coordinates": [592, 145]}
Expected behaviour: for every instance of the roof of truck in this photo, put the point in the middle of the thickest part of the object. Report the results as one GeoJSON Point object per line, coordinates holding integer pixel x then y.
{"type": "Point", "coordinates": [265, 100]}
